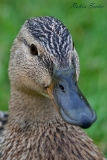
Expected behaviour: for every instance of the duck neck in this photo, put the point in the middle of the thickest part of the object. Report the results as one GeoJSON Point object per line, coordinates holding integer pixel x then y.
{"type": "Point", "coordinates": [30, 109]}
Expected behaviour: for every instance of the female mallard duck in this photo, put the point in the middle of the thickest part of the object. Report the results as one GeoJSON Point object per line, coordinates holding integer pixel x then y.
{"type": "Point", "coordinates": [43, 72]}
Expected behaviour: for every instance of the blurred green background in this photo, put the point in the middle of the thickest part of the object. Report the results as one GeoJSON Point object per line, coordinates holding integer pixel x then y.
{"type": "Point", "coordinates": [89, 31]}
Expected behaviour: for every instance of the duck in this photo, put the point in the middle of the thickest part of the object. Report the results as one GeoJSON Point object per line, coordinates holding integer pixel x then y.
{"type": "Point", "coordinates": [46, 109]}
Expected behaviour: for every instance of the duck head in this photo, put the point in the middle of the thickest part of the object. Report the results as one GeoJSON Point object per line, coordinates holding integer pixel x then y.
{"type": "Point", "coordinates": [44, 60]}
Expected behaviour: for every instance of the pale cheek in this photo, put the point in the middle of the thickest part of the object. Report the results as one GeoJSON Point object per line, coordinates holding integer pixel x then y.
{"type": "Point", "coordinates": [46, 80]}
{"type": "Point", "coordinates": [28, 57]}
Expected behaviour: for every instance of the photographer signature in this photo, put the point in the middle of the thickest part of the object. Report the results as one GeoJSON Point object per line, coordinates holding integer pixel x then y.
{"type": "Point", "coordinates": [91, 5]}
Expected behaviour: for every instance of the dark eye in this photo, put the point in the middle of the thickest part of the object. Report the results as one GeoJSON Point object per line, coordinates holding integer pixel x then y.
{"type": "Point", "coordinates": [33, 49]}
{"type": "Point", "coordinates": [73, 45]}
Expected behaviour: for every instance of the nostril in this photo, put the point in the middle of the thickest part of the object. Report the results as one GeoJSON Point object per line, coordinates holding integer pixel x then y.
{"type": "Point", "coordinates": [62, 88]}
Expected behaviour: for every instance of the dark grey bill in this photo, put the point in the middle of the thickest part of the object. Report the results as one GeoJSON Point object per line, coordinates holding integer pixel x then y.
{"type": "Point", "coordinates": [72, 105]}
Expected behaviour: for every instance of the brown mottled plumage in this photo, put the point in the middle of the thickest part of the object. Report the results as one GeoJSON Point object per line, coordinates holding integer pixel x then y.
{"type": "Point", "coordinates": [55, 140]}
{"type": "Point", "coordinates": [35, 130]}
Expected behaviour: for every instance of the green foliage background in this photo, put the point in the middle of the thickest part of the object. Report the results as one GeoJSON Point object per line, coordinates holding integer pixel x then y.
{"type": "Point", "coordinates": [88, 28]}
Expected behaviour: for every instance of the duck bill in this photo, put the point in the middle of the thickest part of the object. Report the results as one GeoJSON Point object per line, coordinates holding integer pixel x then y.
{"type": "Point", "coordinates": [69, 100]}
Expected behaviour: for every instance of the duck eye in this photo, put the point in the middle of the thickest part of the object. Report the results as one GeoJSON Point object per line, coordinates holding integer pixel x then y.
{"type": "Point", "coordinates": [33, 49]}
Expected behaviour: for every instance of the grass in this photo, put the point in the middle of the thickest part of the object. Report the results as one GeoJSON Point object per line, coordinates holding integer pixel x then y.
{"type": "Point", "coordinates": [89, 31]}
